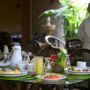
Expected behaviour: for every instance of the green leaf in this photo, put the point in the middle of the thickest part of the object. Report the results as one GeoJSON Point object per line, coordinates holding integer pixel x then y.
{"type": "Point", "coordinates": [57, 60]}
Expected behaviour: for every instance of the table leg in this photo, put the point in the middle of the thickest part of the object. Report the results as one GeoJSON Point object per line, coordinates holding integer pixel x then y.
{"type": "Point", "coordinates": [71, 87]}
{"type": "Point", "coordinates": [59, 88]}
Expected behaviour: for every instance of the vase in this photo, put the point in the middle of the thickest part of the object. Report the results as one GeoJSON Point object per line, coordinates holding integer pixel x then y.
{"type": "Point", "coordinates": [57, 68]}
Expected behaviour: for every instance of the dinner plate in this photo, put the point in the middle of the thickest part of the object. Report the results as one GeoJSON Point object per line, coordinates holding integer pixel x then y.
{"type": "Point", "coordinates": [13, 75]}
{"type": "Point", "coordinates": [51, 80]}
{"type": "Point", "coordinates": [79, 72]}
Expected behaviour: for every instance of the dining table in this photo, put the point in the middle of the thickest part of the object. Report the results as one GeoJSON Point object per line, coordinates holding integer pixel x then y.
{"type": "Point", "coordinates": [32, 79]}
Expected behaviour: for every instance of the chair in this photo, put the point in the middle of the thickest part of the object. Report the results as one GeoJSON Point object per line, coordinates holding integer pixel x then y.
{"type": "Point", "coordinates": [73, 44]}
{"type": "Point", "coordinates": [32, 46]}
{"type": "Point", "coordinates": [81, 55]}
{"type": "Point", "coordinates": [51, 46]}
{"type": "Point", "coordinates": [47, 50]}
{"type": "Point", "coordinates": [54, 42]}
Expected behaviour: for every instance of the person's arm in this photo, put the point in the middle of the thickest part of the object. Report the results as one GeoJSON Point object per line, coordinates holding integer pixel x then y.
{"type": "Point", "coordinates": [81, 31]}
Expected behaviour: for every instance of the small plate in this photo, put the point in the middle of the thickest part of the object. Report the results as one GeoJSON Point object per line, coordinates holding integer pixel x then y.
{"type": "Point", "coordinates": [78, 72]}
{"type": "Point", "coordinates": [51, 80]}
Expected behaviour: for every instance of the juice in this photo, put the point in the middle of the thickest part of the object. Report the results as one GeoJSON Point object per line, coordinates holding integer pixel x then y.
{"type": "Point", "coordinates": [39, 65]}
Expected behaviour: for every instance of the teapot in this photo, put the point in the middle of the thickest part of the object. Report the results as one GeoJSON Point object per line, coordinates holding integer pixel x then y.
{"type": "Point", "coordinates": [16, 58]}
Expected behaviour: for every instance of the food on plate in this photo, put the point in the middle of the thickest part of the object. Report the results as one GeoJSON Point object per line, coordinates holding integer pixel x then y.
{"type": "Point", "coordinates": [9, 71]}
{"type": "Point", "coordinates": [53, 76]}
{"type": "Point", "coordinates": [87, 69]}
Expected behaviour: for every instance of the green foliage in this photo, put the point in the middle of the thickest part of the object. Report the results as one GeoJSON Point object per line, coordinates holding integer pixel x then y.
{"type": "Point", "coordinates": [72, 14]}
{"type": "Point", "coordinates": [61, 56]}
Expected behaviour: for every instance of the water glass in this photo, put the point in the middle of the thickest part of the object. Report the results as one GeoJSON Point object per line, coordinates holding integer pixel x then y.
{"type": "Point", "coordinates": [68, 64]}
{"type": "Point", "coordinates": [47, 66]}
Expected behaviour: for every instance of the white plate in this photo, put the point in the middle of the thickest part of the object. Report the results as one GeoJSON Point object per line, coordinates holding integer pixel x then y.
{"type": "Point", "coordinates": [13, 75]}
{"type": "Point", "coordinates": [50, 80]}
{"type": "Point", "coordinates": [79, 72]}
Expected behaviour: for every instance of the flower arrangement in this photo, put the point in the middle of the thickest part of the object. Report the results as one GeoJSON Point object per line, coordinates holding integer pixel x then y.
{"type": "Point", "coordinates": [61, 56]}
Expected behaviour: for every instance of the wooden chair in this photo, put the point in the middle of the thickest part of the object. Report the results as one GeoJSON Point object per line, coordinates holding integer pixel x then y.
{"type": "Point", "coordinates": [73, 44]}
{"type": "Point", "coordinates": [81, 55]}
{"type": "Point", "coordinates": [32, 46]}
{"type": "Point", "coordinates": [52, 46]}
{"type": "Point", "coordinates": [54, 42]}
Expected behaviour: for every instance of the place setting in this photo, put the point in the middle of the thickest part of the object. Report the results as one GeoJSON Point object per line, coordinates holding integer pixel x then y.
{"type": "Point", "coordinates": [80, 69]}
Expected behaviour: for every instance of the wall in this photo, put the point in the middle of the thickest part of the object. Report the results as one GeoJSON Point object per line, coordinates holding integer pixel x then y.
{"type": "Point", "coordinates": [10, 16]}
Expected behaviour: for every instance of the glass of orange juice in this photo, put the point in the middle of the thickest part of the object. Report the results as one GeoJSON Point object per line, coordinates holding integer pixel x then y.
{"type": "Point", "coordinates": [39, 64]}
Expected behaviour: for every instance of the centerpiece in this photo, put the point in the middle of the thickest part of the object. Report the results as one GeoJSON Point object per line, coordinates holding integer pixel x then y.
{"type": "Point", "coordinates": [58, 61]}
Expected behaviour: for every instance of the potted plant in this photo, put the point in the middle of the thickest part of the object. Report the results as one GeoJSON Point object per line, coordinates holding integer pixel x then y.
{"type": "Point", "coordinates": [58, 61]}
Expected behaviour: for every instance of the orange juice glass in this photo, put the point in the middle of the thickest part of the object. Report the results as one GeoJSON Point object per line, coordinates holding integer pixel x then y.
{"type": "Point", "coordinates": [39, 64]}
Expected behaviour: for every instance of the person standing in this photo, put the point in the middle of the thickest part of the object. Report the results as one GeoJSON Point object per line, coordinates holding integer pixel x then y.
{"type": "Point", "coordinates": [84, 35]}
{"type": "Point", "coordinates": [84, 31]}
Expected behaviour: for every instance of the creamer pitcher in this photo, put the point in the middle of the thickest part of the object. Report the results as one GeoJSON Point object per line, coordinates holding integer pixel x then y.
{"type": "Point", "coordinates": [16, 56]}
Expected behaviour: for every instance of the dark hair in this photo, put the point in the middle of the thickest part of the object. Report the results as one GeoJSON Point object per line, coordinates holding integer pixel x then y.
{"type": "Point", "coordinates": [5, 39]}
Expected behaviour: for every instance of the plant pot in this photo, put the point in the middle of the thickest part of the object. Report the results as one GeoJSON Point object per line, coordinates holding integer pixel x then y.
{"type": "Point", "coordinates": [57, 68]}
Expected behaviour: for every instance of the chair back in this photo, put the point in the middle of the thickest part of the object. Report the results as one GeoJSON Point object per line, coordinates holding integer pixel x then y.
{"type": "Point", "coordinates": [73, 44]}
{"type": "Point", "coordinates": [80, 55]}
{"type": "Point", "coordinates": [54, 42]}
{"type": "Point", "coordinates": [47, 50]}
{"type": "Point", "coordinates": [32, 46]}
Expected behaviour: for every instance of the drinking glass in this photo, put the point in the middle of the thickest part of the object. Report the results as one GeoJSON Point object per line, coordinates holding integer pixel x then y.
{"type": "Point", "coordinates": [47, 66]}
{"type": "Point", "coordinates": [31, 68]}
{"type": "Point", "coordinates": [68, 64]}
{"type": "Point", "coordinates": [39, 64]}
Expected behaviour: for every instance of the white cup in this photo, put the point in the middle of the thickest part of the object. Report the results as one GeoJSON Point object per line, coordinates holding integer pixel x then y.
{"type": "Point", "coordinates": [81, 64]}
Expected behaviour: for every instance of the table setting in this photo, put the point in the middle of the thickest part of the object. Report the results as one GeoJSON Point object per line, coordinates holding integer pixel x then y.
{"type": "Point", "coordinates": [41, 69]}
